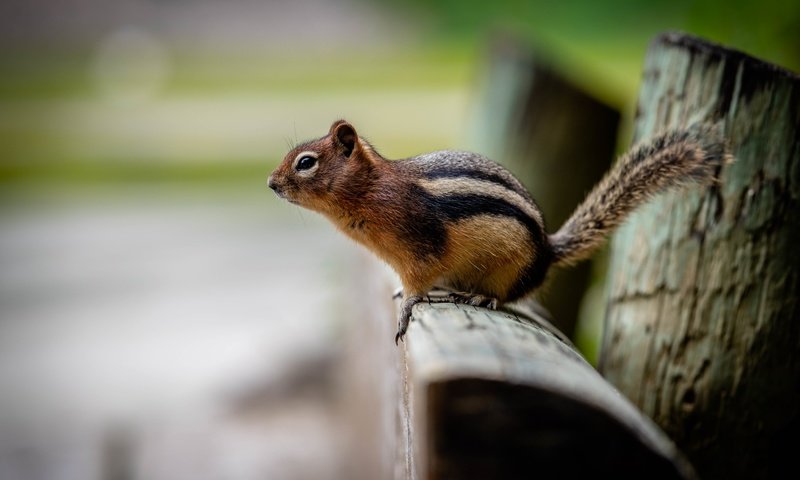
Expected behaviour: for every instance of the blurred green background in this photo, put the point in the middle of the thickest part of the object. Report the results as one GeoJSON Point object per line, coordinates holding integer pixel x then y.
{"type": "Point", "coordinates": [179, 91]}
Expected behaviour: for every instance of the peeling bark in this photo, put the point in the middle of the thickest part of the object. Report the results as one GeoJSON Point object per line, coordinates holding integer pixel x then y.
{"type": "Point", "coordinates": [703, 322]}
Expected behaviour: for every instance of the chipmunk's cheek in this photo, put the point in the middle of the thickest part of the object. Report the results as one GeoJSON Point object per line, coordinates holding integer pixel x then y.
{"type": "Point", "coordinates": [292, 199]}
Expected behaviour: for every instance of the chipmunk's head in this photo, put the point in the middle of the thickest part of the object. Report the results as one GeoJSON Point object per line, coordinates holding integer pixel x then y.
{"type": "Point", "coordinates": [322, 173]}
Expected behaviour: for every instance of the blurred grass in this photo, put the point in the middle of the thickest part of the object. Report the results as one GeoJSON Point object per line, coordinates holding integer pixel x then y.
{"type": "Point", "coordinates": [600, 45]}
{"type": "Point", "coordinates": [204, 122]}
{"type": "Point", "coordinates": [78, 172]}
{"type": "Point", "coordinates": [612, 34]}
{"type": "Point", "coordinates": [46, 74]}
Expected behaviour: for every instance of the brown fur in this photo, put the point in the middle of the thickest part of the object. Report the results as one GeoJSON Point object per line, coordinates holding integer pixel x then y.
{"type": "Point", "coordinates": [486, 255]}
{"type": "Point", "coordinates": [502, 253]}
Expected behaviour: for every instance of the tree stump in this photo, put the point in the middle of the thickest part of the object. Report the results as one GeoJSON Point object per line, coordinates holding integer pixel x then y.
{"type": "Point", "coordinates": [703, 325]}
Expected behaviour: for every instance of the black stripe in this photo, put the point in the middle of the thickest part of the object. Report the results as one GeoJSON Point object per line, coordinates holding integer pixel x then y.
{"type": "Point", "coordinates": [422, 228]}
{"type": "Point", "coordinates": [534, 273]}
{"type": "Point", "coordinates": [450, 172]}
{"type": "Point", "coordinates": [458, 207]}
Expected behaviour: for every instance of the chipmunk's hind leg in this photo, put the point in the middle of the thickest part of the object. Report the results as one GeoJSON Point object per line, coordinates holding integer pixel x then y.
{"type": "Point", "coordinates": [436, 292]}
{"type": "Point", "coordinates": [474, 299]}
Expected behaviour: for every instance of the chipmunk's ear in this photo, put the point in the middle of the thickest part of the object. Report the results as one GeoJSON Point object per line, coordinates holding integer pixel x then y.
{"type": "Point", "coordinates": [345, 135]}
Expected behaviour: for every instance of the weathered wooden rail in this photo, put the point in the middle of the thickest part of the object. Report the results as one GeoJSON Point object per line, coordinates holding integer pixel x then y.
{"type": "Point", "coordinates": [475, 393]}
{"type": "Point", "coordinates": [501, 395]}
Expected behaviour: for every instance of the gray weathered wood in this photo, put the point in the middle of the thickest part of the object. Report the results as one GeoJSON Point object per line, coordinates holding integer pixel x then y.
{"type": "Point", "coordinates": [703, 325]}
{"type": "Point", "coordinates": [557, 139]}
{"type": "Point", "coordinates": [490, 394]}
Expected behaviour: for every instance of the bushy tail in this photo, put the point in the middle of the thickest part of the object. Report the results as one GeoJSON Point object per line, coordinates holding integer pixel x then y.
{"type": "Point", "coordinates": [675, 158]}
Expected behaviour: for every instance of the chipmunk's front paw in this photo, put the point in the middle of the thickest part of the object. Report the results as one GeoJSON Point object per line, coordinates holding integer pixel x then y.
{"type": "Point", "coordinates": [405, 316]}
{"type": "Point", "coordinates": [402, 326]}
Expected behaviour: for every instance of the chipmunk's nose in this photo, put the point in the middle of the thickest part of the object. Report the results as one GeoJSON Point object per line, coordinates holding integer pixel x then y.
{"type": "Point", "coordinates": [271, 183]}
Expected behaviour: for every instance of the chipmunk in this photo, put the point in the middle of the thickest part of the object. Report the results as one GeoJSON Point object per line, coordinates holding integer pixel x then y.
{"type": "Point", "coordinates": [461, 222]}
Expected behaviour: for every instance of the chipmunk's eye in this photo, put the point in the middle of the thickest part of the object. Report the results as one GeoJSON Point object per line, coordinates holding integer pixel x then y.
{"type": "Point", "coordinates": [305, 163]}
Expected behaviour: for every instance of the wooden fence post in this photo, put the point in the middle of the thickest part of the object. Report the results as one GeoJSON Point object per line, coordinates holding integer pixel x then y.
{"type": "Point", "coordinates": [703, 325]}
{"type": "Point", "coordinates": [556, 138]}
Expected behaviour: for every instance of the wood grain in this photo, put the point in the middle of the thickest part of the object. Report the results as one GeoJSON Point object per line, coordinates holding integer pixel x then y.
{"type": "Point", "coordinates": [703, 326]}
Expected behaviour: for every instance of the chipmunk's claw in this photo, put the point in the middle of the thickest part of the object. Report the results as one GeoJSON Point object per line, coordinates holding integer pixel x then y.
{"type": "Point", "coordinates": [397, 293]}
{"type": "Point", "coordinates": [491, 303]}
{"type": "Point", "coordinates": [402, 326]}
{"type": "Point", "coordinates": [405, 316]}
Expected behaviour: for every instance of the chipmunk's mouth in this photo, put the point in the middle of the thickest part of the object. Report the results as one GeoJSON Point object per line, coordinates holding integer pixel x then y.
{"type": "Point", "coordinates": [281, 193]}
